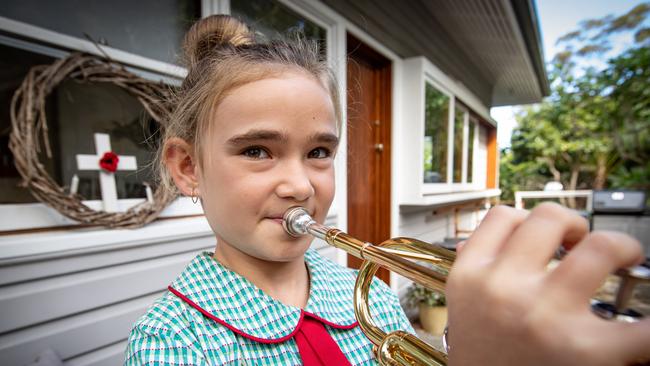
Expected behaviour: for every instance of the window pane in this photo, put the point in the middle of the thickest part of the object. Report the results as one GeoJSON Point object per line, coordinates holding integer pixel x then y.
{"type": "Point", "coordinates": [470, 151]}
{"type": "Point", "coordinates": [14, 65]}
{"type": "Point", "coordinates": [75, 112]}
{"type": "Point", "coordinates": [459, 122]}
{"type": "Point", "coordinates": [436, 117]}
{"type": "Point", "coordinates": [273, 20]}
{"type": "Point", "coordinates": [151, 28]}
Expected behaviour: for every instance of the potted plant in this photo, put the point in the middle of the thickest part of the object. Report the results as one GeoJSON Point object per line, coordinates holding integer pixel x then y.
{"type": "Point", "coordinates": [432, 306]}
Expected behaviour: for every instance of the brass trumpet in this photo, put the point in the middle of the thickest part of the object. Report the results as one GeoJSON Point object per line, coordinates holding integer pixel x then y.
{"type": "Point", "coordinates": [397, 255]}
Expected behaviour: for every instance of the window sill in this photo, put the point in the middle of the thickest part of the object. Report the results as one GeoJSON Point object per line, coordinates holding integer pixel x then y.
{"type": "Point", "coordinates": [45, 245]}
{"type": "Point", "coordinates": [436, 189]}
{"type": "Point", "coordinates": [27, 216]}
{"type": "Point", "coordinates": [451, 197]}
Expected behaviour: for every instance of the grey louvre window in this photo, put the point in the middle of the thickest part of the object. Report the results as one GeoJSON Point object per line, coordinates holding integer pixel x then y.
{"type": "Point", "coordinates": [273, 20]}
{"type": "Point", "coordinates": [149, 28]}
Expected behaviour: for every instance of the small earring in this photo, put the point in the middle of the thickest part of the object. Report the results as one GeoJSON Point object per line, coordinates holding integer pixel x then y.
{"type": "Point", "coordinates": [194, 198]}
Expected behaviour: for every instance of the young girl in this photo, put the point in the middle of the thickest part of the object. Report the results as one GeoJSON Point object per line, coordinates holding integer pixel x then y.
{"type": "Point", "coordinates": [254, 133]}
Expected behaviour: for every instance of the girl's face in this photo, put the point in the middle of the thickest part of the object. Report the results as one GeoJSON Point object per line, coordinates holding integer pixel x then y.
{"type": "Point", "coordinates": [270, 147]}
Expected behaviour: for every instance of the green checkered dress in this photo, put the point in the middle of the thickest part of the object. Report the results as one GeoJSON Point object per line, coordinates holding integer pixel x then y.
{"type": "Point", "coordinates": [213, 316]}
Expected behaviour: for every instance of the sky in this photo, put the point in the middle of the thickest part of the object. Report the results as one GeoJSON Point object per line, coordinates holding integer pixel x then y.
{"type": "Point", "coordinates": [557, 18]}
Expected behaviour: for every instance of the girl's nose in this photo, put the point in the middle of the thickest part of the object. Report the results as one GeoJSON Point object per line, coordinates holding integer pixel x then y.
{"type": "Point", "coordinates": [294, 182]}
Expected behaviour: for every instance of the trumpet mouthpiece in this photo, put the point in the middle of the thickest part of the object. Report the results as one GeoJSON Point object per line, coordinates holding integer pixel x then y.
{"type": "Point", "coordinates": [296, 220]}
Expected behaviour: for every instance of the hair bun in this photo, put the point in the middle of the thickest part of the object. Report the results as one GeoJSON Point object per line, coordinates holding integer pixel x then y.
{"type": "Point", "coordinates": [213, 32]}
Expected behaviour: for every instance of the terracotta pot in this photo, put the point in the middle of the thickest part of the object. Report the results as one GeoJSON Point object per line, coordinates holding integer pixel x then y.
{"type": "Point", "coordinates": [433, 318]}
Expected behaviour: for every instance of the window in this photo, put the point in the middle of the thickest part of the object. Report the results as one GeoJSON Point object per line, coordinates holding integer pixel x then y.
{"type": "Point", "coordinates": [150, 28]}
{"type": "Point", "coordinates": [460, 115]}
{"type": "Point", "coordinates": [449, 140]}
{"type": "Point", "coordinates": [436, 126]}
{"type": "Point", "coordinates": [273, 20]}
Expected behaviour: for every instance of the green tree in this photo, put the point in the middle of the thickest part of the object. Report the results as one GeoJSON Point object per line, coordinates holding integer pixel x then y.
{"type": "Point", "coordinates": [626, 86]}
{"type": "Point", "coordinates": [594, 37]}
{"type": "Point", "coordinates": [519, 175]}
{"type": "Point", "coordinates": [593, 131]}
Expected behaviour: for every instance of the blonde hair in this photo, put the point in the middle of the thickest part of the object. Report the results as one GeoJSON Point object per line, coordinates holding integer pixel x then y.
{"type": "Point", "coordinates": [221, 54]}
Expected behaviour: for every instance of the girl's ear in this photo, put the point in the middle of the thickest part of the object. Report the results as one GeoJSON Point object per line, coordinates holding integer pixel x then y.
{"type": "Point", "coordinates": [181, 164]}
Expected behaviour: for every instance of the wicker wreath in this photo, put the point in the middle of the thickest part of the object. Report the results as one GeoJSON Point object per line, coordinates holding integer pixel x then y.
{"type": "Point", "coordinates": [29, 126]}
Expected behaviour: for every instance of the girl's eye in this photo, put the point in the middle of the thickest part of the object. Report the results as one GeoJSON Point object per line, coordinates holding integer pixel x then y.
{"type": "Point", "coordinates": [255, 153]}
{"type": "Point", "coordinates": [319, 153]}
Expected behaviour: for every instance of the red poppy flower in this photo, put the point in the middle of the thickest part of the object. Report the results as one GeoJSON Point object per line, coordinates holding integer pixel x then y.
{"type": "Point", "coordinates": [108, 162]}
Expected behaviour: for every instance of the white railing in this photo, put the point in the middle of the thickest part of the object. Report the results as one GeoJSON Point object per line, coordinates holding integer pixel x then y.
{"type": "Point", "coordinates": [521, 195]}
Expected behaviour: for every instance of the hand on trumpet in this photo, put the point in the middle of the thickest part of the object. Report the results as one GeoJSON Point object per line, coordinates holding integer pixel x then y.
{"type": "Point", "coordinates": [506, 308]}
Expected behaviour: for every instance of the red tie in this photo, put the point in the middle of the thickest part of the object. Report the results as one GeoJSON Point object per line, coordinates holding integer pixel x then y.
{"type": "Point", "coordinates": [316, 346]}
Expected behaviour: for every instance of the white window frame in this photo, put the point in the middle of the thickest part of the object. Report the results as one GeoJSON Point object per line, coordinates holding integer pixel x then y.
{"type": "Point", "coordinates": [27, 216]}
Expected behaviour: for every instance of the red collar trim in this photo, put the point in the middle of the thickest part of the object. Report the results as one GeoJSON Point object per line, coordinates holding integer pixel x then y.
{"type": "Point", "coordinates": [303, 313]}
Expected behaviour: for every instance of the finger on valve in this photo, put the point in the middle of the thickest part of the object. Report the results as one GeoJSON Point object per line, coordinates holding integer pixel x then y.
{"type": "Point", "coordinates": [583, 270]}
{"type": "Point", "coordinates": [534, 242]}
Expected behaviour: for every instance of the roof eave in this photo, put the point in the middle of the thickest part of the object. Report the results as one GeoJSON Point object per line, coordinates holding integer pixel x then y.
{"type": "Point", "coordinates": [526, 15]}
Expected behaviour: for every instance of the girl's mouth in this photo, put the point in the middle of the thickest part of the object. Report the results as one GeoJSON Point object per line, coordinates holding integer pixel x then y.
{"type": "Point", "coordinates": [279, 220]}
{"type": "Point", "coordinates": [279, 217]}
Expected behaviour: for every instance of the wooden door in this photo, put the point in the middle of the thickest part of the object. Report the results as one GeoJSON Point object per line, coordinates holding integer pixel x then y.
{"type": "Point", "coordinates": [369, 145]}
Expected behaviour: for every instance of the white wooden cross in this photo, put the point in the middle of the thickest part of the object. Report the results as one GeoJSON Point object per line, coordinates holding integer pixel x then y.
{"type": "Point", "coordinates": [106, 179]}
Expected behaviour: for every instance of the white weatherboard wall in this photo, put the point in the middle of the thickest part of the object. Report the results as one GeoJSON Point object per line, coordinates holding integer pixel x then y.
{"type": "Point", "coordinates": [432, 226]}
{"type": "Point", "coordinates": [79, 304]}
{"type": "Point", "coordinates": [426, 226]}
{"type": "Point", "coordinates": [83, 303]}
